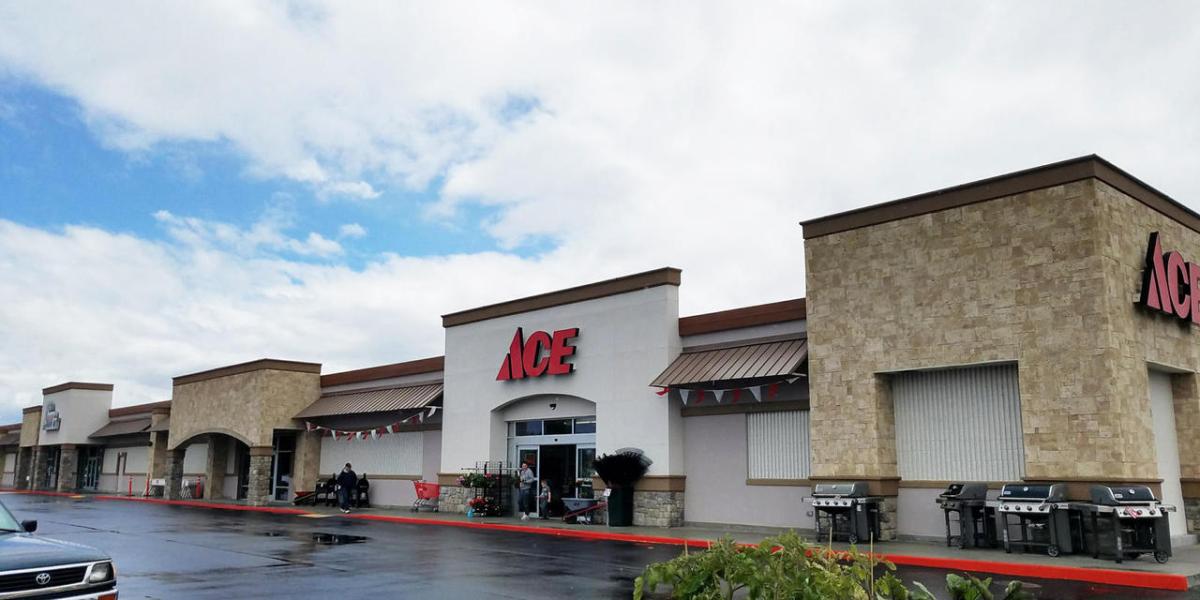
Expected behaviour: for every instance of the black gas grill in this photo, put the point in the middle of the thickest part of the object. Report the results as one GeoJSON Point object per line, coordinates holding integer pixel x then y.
{"type": "Point", "coordinates": [1041, 515]}
{"type": "Point", "coordinates": [1128, 521]}
{"type": "Point", "coordinates": [845, 511]}
{"type": "Point", "coordinates": [976, 521]}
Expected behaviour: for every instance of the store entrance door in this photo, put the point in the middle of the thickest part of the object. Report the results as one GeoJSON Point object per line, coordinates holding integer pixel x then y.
{"type": "Point", "coordinates": [558, 469]}
{"type": "Point", "coordinates": [89, 468]}
{"type": "Point", "coordinates": [281, 465]}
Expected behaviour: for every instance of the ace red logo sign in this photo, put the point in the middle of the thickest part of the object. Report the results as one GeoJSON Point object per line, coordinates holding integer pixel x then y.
{"type": "Point", "coordinates": [541, 354]}
{"type": "Point", "coordinates": [1170, 284]}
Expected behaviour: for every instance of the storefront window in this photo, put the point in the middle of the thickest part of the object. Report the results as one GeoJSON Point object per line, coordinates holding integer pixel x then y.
{"type": "Point", "coordinates": [558, 427]}
{"type": "Point", "coordinates": [585, 425]}
{"type": "Point", "coordinates": [528, 428]}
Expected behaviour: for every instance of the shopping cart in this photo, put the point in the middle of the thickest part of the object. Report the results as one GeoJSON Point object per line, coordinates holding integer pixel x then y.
{"type": "Point", "coordinates": [427, 495]}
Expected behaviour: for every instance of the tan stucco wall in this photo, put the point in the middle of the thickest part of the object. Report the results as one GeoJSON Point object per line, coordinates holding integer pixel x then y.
{"type": "Point", "coordinates": [31, 425]}
{"type": "Point", "coordinates": [1019, 278]}
{"type": "Point", "coordinates": [248, 406]}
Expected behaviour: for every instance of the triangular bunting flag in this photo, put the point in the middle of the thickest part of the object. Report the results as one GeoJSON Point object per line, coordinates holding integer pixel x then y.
{"type": "Point", "coordinates": [772, 390]}
{"type": "Point", "coordinates": [663, 392]}
{"type": "Point", "coordinates": [432, 411]}
{"type": "Point", "coordinates": [737, 394]}
{"type": "Point", "coordinates": [685, 395]}
{"type": "Point", "coordinates": [756, 391]}
{"type": "Point", "coordinates": [374, 434]}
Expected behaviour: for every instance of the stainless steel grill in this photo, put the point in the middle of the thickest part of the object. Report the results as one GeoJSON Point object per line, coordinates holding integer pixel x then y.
{"type": "Point", "coordinates": [965, 508]}
{"type": "Point", "coordinates": [1041, 516]}
{"type": "Point", "coordinates": [845, 511]}
{"type": "Point", "coordinates": [1127, 521]}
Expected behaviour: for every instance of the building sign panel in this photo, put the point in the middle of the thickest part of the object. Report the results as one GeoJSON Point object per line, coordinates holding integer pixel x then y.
{"type": "Point", "coordinates": [1170, 284]}
{"type": "Point", "coordinates": [52, 421]}
{"type": "Point", "coordinates": [541, 354]}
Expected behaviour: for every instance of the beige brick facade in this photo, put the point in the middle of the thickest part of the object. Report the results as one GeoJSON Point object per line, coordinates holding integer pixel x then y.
{"type": "Point", "coordinates": [1045, 278]}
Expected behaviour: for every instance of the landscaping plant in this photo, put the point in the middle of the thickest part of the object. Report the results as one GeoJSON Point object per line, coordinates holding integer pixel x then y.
{"type": "Point", "coordinates": [785, 567]}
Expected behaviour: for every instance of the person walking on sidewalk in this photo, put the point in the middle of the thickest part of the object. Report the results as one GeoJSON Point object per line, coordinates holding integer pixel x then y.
{"type": "Point", "coordinates": [347, 482]}
{"type": "Point", "coordinates": [528, 482]}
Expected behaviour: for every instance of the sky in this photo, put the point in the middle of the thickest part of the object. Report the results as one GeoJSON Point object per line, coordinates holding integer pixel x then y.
{"type": "Point", "coordinates": [190, 185]}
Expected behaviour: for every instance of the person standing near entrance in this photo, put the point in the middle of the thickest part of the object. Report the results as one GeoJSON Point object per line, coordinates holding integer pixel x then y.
{"type": "Point", "coordinates": [528, 482]}
{"type": "Point", "coordinates": [347, 482]}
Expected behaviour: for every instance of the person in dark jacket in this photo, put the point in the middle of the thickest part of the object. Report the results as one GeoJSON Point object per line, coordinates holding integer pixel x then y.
{"type": "Point", "coordinates": [347, 484]}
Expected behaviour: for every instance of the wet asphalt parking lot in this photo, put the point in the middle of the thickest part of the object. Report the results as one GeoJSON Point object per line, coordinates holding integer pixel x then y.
{"type": "Point", "coordinates": [172, 552]}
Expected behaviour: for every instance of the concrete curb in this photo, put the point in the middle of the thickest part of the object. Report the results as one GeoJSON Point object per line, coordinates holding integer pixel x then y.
{"type": "Point", "coordinates": [1135, 579]}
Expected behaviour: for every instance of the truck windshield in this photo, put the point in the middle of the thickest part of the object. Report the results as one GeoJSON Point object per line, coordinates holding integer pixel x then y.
{"type": "Point", "coordinates": [7, 521]}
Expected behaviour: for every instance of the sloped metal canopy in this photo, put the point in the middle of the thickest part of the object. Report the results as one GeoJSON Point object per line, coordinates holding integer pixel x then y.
{"type": "Point", "coordinates": [374, 400]}
{"type": "Point", "coordinates": [774, 360]}
{"type": "Point", "coordinates": [10, 439]}
{"type": "Point", "coordinates": [130, 427]}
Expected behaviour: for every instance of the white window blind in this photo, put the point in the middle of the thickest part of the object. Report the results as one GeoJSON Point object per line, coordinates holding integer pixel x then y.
{"type": "Point", "coordinates": [959, 424]}
{"type": "Point", "coordinates": [777, 445]}
{"type": "Point", "coordinates": [391, 454]}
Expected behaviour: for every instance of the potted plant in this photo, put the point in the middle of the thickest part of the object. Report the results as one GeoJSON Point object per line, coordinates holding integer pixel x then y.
{"type": "Point", "coordinates": [620, 471]}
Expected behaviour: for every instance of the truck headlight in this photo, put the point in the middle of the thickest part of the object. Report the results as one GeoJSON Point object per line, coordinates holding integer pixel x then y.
{"type": "Point", "coordinates": [101, 572]}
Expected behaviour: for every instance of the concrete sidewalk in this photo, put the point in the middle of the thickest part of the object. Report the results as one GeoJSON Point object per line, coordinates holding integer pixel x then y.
{"type": "Point", "coordinates": [1181, 573]}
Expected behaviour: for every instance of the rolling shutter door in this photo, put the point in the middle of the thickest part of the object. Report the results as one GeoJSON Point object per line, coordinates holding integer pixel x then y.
{"type": "Point", "coordinates": [959, 425]}
{"type": "Point", "coordinates": [777, 445]}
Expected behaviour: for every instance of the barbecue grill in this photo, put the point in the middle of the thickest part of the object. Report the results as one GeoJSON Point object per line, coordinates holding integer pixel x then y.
{"type": "Point", "coordinates": [976, 521]}
{"type": "Point", "coordinates": [844, 511]}
{"type": "Point", "coordinates": [1043, 518]}
{"type": "Point", "coordinates": [1131, 520]}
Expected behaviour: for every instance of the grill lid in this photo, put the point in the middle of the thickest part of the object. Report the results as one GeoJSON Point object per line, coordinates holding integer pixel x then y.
{"type": "Point", "coordinates": [847, 489]}
{"type": "Point", "coordinates": [965, 491]}
{"type": "Point", "coordinates": [1118, 495]}
{"type": "Point", "coordinates": [1048, 492]}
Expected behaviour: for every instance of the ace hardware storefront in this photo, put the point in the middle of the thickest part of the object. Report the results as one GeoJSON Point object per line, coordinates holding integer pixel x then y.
{"type": "Point", "coordinates": [1038, 328]}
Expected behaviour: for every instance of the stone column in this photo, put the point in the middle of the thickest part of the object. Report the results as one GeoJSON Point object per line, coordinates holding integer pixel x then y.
{"type": "Point", "coordinates": [173, 473]}
{"type": "Point", "coordinates": [158, 455]}
{"type": "Point", "coordinates": [22, 477]}
{"type": "Point", "coordinates": [307, 464]}
{"type": "Point", "coordinates": [258, 488]}
{"type": "Point", "coordinates": [657, 508]}
{"type": "Point", "coordinates": [41, 467]}
{"type": "Point", "coordinates": [68, 468]}
{"type": "Point", "coordinates": [214, 471]}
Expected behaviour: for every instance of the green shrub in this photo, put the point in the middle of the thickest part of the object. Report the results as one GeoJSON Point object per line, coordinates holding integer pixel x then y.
{"type": "Point", "coordinates": [785, 567]}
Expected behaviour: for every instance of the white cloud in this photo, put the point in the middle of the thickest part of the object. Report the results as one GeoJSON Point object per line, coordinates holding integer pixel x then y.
{"type": "Point", "coordinates": [352, 230]}
{"type": "Point", "coordinates": [266, 234]}
{"type": "Point", "coordinates": [692, 134]}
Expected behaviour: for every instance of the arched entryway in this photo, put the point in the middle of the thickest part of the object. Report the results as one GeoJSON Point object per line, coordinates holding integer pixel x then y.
{"type": "Point", "coordinates": [213, 465]}
{"type": "Point", "coordinates": [556, 435]}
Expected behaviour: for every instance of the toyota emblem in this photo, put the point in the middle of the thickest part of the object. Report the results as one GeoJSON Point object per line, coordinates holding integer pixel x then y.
{"type": "Point", "coordinates": [43, 578]}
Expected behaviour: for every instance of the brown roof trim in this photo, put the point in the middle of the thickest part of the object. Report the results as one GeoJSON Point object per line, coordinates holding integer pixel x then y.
{"type": "Point", "coordinates": [749, 316]}
{"type": "Point", "coordinates": [591, 291]}
{"type": "Point", "coordinates": [10, 427]}
{"type": "Point", "coordinates": [248, 367]}
{"type": "Point", "coordinates": [150, 407]}
{"type": "Point", "coordinates": [77, 385]}
{"type": "Point", "coordinates": [1054, 174]}
{"type": "Point", "coordinates": [412, 367]}
{"type": "Point", "coordinates": [29, 409]}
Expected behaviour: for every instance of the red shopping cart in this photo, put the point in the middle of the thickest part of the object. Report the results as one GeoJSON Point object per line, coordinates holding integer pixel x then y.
{"type": "Point", "coordinates": [427, 495]}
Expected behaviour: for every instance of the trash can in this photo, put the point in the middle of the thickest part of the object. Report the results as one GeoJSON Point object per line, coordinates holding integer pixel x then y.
{"type": "Point", "coordinates": [620, 507]}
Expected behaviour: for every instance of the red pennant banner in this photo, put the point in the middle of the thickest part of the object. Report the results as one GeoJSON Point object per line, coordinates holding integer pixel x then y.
{"type": "Point", "coordinates": [737, 394]}
{"type": "Point", "coordinates": [772, 390]}
{"type": "Point", "coordinates": [662, 392]}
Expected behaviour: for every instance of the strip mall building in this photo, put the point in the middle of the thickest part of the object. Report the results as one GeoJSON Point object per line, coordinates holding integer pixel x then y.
{"type": "Point", "coordinates": [1037, 326]}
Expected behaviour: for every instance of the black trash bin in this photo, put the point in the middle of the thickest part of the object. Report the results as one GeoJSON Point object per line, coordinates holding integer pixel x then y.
{"type": "Point", "coordinates": [620, 507]}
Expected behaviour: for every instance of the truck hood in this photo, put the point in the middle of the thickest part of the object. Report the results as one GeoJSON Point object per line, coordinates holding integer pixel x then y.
{"type": "Point", "coordinates": [24, 551]}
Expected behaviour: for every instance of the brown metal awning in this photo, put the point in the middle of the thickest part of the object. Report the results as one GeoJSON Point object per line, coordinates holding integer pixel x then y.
{"type": "Point", "coordinates": [10, 439]}
{"type": "Point", "coordinates": [115, 428]}
{"type": "Point", "coordinates": [773, 360]}
{"type": "Point", "coordinates": [163, 425]}
{"type": "Point", "coordinates": [373, 400]}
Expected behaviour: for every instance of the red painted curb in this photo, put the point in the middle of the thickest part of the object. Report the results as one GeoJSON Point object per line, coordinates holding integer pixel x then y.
{"type": "Point", "coordinates": [1136, 579]}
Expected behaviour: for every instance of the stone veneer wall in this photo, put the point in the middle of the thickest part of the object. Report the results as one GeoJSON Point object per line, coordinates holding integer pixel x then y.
{"type": "Point", "coordinates": [657, 509]}
{"type": "Point", "coordinates": [452, 499]}
{"type": "Point", "coordinates": [249, 406]}
{"type": "Point", "coordinates": [1021, 278]}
